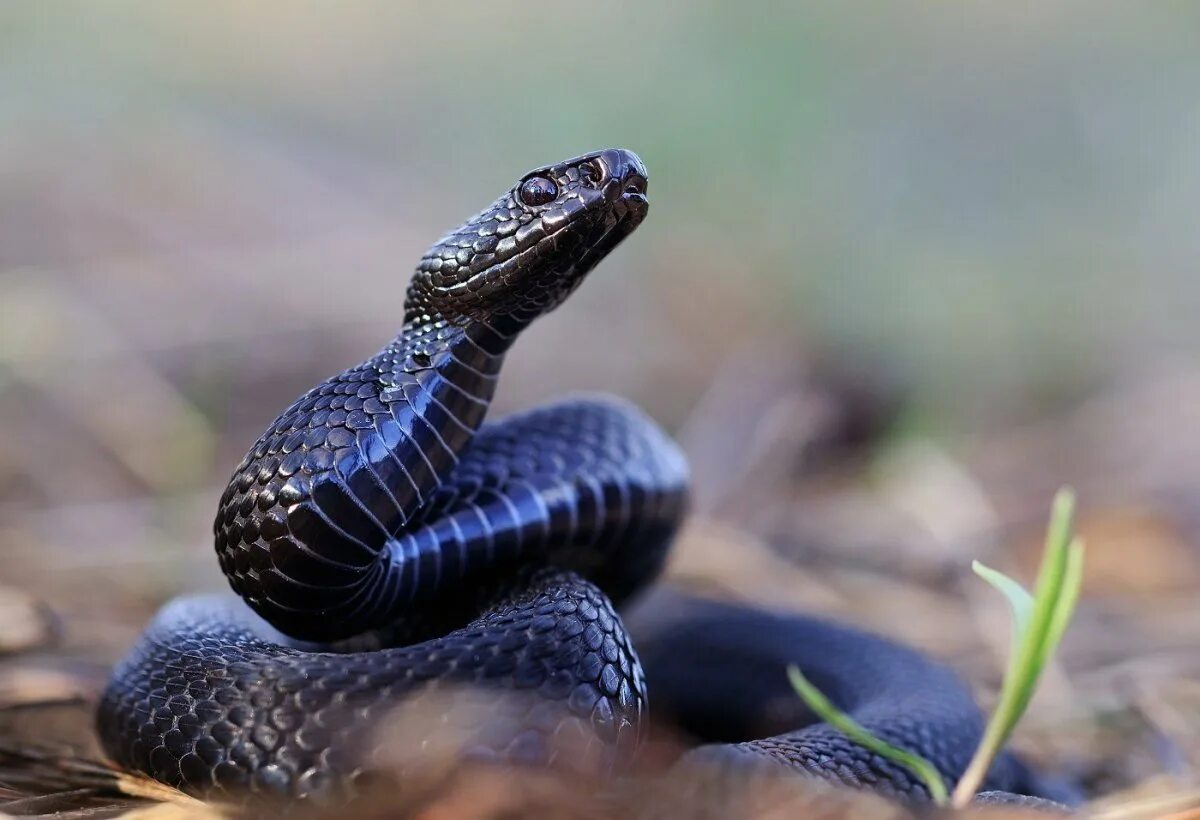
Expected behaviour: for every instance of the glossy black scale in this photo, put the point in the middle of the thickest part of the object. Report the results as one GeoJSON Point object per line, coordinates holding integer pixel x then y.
{"type": "Point", "coordinates": [388, 542]}
{"type": "Point", "coordinates": [377, 504]}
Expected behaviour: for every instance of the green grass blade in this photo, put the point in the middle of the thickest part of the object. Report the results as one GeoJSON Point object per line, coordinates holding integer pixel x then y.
{"type": "Point", "coordinates": [1036, 648]}
{"type": "Point", "coordinates": [824, 709]}
{"type": "Point", "coordinates": [1044, 622]}
{"type": "Point", "coordinates": [1020, 601]}
{"type": "Point", "coordinates": [1068, 598]}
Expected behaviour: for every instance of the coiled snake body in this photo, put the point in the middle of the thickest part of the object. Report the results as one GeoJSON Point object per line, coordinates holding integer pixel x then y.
{"type": "Point", "coordinates": [380, 505]}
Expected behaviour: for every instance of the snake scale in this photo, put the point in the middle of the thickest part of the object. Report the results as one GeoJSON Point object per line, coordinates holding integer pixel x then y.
{"type": "Point", "coordinates": [384, 542]}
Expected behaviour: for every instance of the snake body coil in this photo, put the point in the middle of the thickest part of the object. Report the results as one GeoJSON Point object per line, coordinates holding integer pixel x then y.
{"type": "Point", "coordinates": [379, 506]}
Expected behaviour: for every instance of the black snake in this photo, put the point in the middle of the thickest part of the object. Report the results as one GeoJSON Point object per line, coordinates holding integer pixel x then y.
{"type": "Point", "coordinates": [387, 543]}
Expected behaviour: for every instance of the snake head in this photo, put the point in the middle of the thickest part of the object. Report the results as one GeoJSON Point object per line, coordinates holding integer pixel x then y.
{"type": "Point", "coordinates": [524, 254]}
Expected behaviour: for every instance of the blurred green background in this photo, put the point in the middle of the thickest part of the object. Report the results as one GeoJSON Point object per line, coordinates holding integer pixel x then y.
{"type": "Point", "coordinates": [206, 208]}
{"type": "Point", "coordinates": [998, 197]}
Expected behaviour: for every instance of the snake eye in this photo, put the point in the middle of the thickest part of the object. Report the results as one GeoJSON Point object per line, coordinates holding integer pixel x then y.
{"type": "Point", "coordinates": [538, 191]}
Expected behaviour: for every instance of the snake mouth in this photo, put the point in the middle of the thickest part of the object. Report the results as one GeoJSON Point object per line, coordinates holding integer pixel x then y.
{"type": "Point", "coordinates": [629, 211]}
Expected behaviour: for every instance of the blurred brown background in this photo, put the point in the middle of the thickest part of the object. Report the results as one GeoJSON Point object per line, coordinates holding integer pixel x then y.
{"type": "Point", "coordinates": [908, 268]}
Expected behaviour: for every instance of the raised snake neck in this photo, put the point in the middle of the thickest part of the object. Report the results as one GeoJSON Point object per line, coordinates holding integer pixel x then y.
{"type": "Point", "coordinates": [378, 505]}
{"type": "Point", "coordinates": [320, 529]}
